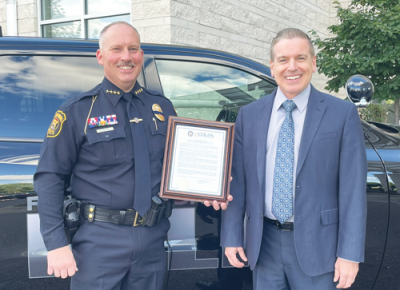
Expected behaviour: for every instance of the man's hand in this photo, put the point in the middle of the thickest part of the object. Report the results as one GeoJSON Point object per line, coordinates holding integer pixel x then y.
{"type": "Point", "coordinates": [215, 203]}
{"type": "Point", "coordinates": [230, 253]}
{"type": "Point", "coordinates": [345, 273]}
{"type": "Point", "coordinates": [218, 206]}
{"type": "Point", "coordinates": [61, 262]}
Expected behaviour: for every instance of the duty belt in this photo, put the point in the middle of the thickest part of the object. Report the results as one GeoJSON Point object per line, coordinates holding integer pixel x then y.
{"type": "Point", "coordinates": [129, 217]}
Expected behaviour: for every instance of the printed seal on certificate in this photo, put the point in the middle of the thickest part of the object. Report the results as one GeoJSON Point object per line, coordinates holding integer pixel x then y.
{"type": "Point", "coordinates": [197, 160]}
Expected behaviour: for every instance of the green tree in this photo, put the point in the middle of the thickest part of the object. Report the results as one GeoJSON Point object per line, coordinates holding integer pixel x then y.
{"type": "Point", "coordinates": [374, 112]}
{"type": "Point", "coordinates": [367, 42]}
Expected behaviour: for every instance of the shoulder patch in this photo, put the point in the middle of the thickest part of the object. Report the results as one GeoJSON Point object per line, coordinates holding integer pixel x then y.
{"type": "Point", "coordinates": [56, 124]}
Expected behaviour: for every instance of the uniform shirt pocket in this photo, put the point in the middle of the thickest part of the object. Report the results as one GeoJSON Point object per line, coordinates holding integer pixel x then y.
{"type": "Point", "coordinates": [110, 147]}
{"type": "Point", "coordinates": [330, 216]}
{"type": "Point", "coordinates": [158, 137]}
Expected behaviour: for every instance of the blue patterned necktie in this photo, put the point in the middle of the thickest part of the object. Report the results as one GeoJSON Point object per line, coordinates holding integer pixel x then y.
{"type": "Point", "coordinates": [282, 197]}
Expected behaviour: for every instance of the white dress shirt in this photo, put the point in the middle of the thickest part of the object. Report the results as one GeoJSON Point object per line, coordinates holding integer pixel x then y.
{"type": "Point", "coordinates": [278, 115]}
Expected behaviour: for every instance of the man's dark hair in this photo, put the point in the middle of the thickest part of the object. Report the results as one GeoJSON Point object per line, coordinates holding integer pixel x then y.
{"type": "Point", "coordinates": [290, 33]}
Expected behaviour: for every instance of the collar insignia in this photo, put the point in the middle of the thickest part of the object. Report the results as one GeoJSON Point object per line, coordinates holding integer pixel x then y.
{"type": "Point", "coordinates": [102, 121]}
{"type": "Point", "coordinates": [157, 111]}
{"type": "Point", "coordinates": [112, 92]}
{"type": "Point", "coordinates": [137, 92]}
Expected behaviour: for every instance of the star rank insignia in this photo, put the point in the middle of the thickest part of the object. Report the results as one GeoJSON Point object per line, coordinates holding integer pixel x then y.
{"type": "Point", "coordinates": [137, 92]}
{"type": "Point", "coordinates": [112, 92]}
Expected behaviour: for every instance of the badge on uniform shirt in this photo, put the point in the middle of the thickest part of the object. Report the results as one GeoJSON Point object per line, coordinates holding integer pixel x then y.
{"type": "Point", "coordinates": [56, 124]}
{"type": "Point", "coordinates": [102, 121]}
{"type": "Point", "coordinates": [158, 112]}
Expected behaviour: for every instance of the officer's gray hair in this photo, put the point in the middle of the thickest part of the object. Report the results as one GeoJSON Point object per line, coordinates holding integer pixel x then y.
{"type": "Point", "coordinates": [290, 33]}
{"type": "Point", "coordinates": [101, 37]}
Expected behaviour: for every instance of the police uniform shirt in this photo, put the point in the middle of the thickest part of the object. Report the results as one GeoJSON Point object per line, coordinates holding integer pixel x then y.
{"type": "Point", "coordinates": [89, 146]}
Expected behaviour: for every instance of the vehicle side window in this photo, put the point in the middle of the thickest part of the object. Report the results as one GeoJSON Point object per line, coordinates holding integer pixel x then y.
{"type": "Point", "coordinates": [209, 91]}
{"type": "Point", "coordinates": [33, 87]}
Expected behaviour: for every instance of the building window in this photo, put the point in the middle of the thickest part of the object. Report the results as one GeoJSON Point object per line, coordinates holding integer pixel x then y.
{"type": "Point", "coordinates": [80, 18]}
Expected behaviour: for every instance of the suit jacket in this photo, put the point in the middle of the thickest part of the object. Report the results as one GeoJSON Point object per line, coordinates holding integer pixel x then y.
{"type": "Point", "coordinates": [330, 193]}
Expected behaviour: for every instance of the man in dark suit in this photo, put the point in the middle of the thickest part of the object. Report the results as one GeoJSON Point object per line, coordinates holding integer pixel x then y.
{"type": "Point", "coordinates": [299, 177]}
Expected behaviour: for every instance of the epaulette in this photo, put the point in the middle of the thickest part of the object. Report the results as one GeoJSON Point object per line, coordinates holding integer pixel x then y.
{"type": "Point", "coordinates": [69, 102]}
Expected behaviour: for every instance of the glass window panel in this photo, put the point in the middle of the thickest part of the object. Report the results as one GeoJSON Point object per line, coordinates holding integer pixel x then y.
{"type": "Point", "coordinates": [209, 91]}
{"type": "Point", "coordinates": [94, 26]}
{"type": "Point", "coordinates": [65, 30]}
{"type": "Point", "coordinates": [33, 87]}
{"type": "Point", "coordinates": [55, 9]}
{"type": "Point", "coordinates": [104, 6]}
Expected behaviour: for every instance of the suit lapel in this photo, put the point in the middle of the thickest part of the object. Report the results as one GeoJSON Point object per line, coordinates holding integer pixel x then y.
{"type": "Point", "coordinates": [315, 111]}
{"type": "Point", "coordinates": [263, 119]}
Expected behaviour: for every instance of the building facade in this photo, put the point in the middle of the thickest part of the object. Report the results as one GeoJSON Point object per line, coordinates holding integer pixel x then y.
{"type": "Point", "coordinates": [243, 27]}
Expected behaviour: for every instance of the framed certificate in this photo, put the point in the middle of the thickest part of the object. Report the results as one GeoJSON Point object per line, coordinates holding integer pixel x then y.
{"type": "Point", "coordinates": [197, 160]}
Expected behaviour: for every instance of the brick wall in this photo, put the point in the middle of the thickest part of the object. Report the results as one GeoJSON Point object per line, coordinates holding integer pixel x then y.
{"type": "Point", "coordinates": [242, 27]}
{"type": "Point", "coordinates": [27, 17]}
{"type": "Point", "coordinates": [152, 19]}
{"type": "Point", "coordinates": [246, 27]}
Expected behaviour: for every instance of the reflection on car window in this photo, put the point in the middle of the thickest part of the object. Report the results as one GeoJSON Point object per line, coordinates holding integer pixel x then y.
{"type": "Point", "coordinates": [209, 91]}
{"type": "Point", "coordinates": [33, 87]}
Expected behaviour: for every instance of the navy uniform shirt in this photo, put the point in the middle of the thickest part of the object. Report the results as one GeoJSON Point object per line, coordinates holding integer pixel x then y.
{"type": "Point", "coordinates": [89, 147]}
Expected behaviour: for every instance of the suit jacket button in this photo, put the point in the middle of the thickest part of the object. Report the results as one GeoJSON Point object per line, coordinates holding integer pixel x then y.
{"type": "Point", "coordinates": [261, 216]}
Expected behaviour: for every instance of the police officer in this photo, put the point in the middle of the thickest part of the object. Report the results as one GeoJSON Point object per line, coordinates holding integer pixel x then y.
{"type": "Point", "coordinates": [107, 145]}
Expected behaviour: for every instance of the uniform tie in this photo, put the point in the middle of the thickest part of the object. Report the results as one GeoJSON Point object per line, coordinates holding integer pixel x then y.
{"type": "Point", "coordinates": [142, 199]}
{"type": "Point", "coordinates": [282, 197]}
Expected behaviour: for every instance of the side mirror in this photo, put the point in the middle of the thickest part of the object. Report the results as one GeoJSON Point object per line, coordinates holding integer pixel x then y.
{"type": "Point", "coordinates": [360, 90]}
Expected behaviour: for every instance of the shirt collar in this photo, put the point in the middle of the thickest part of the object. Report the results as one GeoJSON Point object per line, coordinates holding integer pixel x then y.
{"type": "Point", "coordinates": [115, 94]}
{"type": "Point", "coordinates": [301, 100]}
{"type": "Point", "coordinates": [137, 91]}
{"type": "Point", "coordinates": [111, 91]}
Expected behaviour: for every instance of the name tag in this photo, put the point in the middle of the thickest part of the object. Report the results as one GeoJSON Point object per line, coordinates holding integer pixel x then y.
{"type": "Point", "coordinates": [105, 129]}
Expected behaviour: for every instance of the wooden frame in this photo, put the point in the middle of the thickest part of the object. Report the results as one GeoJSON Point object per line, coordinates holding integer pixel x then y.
{"type": "Point", "coordinates": [197, 160]}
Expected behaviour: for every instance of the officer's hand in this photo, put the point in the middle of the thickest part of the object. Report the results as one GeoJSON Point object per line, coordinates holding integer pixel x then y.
{"type": "Point", "coordinates": [61, 262]}
{"type": "Point", "coordinates": [216, 205]}
{"type": "Point", "coordinates": [230, 253]}
{"type": "Point", "coordinates": [345, 273]}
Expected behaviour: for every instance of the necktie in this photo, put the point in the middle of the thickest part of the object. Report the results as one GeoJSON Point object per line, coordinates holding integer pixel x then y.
{"type": "Point", "coordinates": [142, 200]}
{"type": "Point", "coordinates": [282, 197]}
